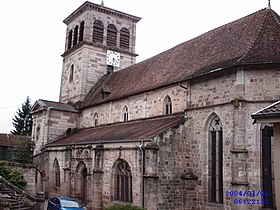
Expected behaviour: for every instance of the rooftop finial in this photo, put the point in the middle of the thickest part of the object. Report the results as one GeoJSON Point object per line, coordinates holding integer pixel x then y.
{"type": "Point", "coordinates": [269, 5]}
{"type": "Point", "coordinates": [102, 3]}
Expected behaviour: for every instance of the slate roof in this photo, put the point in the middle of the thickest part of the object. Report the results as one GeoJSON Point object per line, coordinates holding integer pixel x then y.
{"type": "Point", "coordinates": [136, 130]}
{"type": "Point", "coordinates": [270, 111]}
{"type": "Point", "coordinates": [44, 104]}
{"type": "Point", "coordinates": [9, 140]}
{"type": "Point", "coordinates": [254, 39]}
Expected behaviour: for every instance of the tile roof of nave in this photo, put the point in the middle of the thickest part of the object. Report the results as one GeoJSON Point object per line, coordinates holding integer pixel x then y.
{"type": "Point", "coordinates": [254, 39]}
{"type": "Point", "coordinates": [134, 130]}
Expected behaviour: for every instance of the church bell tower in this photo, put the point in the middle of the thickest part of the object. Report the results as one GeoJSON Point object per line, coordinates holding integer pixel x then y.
{"type": "Point", "coordinates": [99, 41]}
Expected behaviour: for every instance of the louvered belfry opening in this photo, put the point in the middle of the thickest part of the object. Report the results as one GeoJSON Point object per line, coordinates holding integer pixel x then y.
{"type": "Point", "coordinates": [75, 39]}
{"type": "Point", "coordinates": [98, 30]}
{"type": "Point", "coordinates": [124, 38]}
{"type": "Point", "coordinates": [123, 182]}
{"type": "Point", "coordinates": [70, 35]}
{"type": "Point", "coordinates": [81, 31]}
{"type": "Point", "coordinates": [112, 35]}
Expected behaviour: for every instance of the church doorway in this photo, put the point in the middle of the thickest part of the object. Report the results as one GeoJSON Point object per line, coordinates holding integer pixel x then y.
{"type": "Point", "coordinates": [81, 182]}
{"type": "Point", "coordinates": [267, 167]}
{"type": "Point", "coordinates": [84, 185]}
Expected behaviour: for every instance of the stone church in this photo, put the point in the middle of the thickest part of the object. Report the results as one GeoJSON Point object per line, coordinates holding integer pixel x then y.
{"type": "Point", "coordinates": [171, 132]}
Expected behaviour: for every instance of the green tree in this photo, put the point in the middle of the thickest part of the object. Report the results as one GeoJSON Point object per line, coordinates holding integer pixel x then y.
{"type": "Point", "coordinates": [22, 120]}
{"type": "Point", "coordinates": [24, 152]}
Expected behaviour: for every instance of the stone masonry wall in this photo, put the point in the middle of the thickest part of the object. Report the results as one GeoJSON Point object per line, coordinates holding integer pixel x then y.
{"type": "Point", "coordinates": [50, 124]}
{"type": "Point", "coordinates": [186, 148]}
{"type": "Point", "coordinates": [28, 171]}
{"type": "Point", "coordinates": [71, 187]}
{"type": "Point", "coordinates": [144, 105]}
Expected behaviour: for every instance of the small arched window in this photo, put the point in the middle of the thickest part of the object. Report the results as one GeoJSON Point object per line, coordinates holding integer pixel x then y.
{"type": "Point", "coordinates": [216, 160]}
{"type": "Point", "coordinates": [125, 114]}
{"type": "Point", "coordinates": [81, 31]}
{"type": "Point", "coordinates": [124, 38]}
{"type": "Point", "coordinates": [167, 105]}
{"type": "Point", "coordinates": [75, 39]}
{"type": "Point", "coordinates": [56, 173]}
{"type": "Point", "coordinates": [112, 35]}
{"type": "Point", "coordinates": [70, 36]}
{"type": "Point", "coordinates": [95, 119]}
{"type": "Point", "coordinates": [98, 30]}
{"type": "Point", "coordinates": [71, 73]}
{"type": "Point", "coordinates": [123, 182]}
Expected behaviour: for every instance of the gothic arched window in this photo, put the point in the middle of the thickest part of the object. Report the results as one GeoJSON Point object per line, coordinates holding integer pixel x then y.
{"type": "Point", "coordinates": [56, 173]}
{"type": "Point", "coordinates": [112, 35]}
{"type": "Point", "coordinates": [123, 182]}
{"type": "Point", "coordinates": [125, 114]}
{"type": "Point", "coordinates": [75, 39]}
{"type": "Point", "coordinates": [70, 34]}
{"type": "Point", "coordinates": [98, 30]}
{"type": "Point", "coordinates": [167, 105]}
{"type": "Point", "coordinates": [216, 160]}
{"type": "Point", "coordinates": [95, 119]}
{"type": "Point", "coordinates": [124, 38]}
{"type": "Point", "coordinates": [81, 31]}
{"type": "Point", "coordinates": [71, 73]}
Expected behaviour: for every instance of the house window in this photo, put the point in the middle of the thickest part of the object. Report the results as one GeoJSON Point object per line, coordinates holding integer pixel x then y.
{"type": "Point", "coordinates": [112, 35]}
{"type": "Point", "coordinates": [216, 160]}
{"type": "Point", "coordinates": [125, 114]}
{"type": "Point", "coordinates": [167, 105]}
{"type": "Point", "coordinates": [124, 38]}
{"type": "Point", "coordinates": [75, 39]}
{"type": "Point", "coordinates": [56, 173]}
{"type": "Point", "coordinates": [95, 119]}
{"type": "Point", "coordinates": [70, 34]}
{"type": "Point", "coordinates": [81, 31]}
{"type": "Point", "coordinates": [123, 182]}
{"type": "Point", "coordinates": [71, 73]}
{"type": "Point", "coordinates": [98, 29]}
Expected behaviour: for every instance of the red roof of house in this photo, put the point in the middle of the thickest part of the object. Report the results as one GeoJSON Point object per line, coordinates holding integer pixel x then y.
{"type": "Point", "coordinates": [135, 130]}
{"type": "Point", "coordinates": [254, 39]}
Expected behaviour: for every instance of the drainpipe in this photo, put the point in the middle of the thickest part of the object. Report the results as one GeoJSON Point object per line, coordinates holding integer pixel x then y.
{"type": "Point", "coordinates": [142, 173]}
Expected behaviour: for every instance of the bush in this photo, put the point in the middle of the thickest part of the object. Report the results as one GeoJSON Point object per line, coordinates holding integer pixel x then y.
{"type": "Point", "coordinates": [123, 207]}
{"type": "Point", "coordinates": [13, 176]}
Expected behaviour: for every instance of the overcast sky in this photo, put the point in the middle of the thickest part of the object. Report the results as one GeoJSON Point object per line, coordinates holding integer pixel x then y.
{"type": "Point", "coordinates": [33, 37]}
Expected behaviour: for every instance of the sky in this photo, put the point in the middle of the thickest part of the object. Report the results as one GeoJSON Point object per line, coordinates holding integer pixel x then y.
{"type": "Point", "coordinates": [33, 38]}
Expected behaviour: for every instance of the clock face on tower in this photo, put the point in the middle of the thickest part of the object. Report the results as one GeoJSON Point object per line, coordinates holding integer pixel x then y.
{"type": "Point", "coordinates": [113, 58]}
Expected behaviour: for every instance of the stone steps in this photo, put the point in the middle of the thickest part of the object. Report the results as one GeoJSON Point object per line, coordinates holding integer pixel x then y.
{"type": "Point", "coordinates": [13, 198]}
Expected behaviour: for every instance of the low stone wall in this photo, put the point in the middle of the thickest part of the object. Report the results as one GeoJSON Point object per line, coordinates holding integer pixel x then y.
{"type": "Point", "coordinates": [28, 171]}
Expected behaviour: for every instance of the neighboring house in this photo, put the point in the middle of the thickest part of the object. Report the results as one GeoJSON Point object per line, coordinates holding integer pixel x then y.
{"type": "Point", "coordinates": [266, 116]}
{"type": "Point", "coordinates": [171, 132]}
{"type": "Point", "coordinates": [9, 143]}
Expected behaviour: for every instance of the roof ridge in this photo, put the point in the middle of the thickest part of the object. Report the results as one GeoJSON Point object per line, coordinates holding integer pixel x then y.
{"type": "Point", "coordinates": [259, 34]}
{"type": "Point", "coordinates": [274, 14]}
